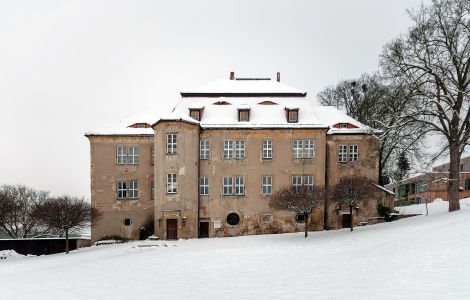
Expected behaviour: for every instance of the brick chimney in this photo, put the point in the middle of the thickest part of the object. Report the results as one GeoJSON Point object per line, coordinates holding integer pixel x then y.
{"type": "Point", "coordinates": [278, 76]}
{"type": "Point", "coordinates": [232, 75]}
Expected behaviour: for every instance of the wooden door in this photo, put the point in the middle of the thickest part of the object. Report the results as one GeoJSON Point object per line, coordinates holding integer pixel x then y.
{"type": "Point", "coordinates": [171, 229]}
{"type": "Point", "coordinates": [204, 229]}
{"type": "Point", "coordinates": [346, 221]}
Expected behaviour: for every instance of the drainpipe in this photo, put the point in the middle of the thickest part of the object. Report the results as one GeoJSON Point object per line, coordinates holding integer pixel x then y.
{"type": "Point", "coordinates": [198, 183]}
{"type": "Point", "coordinates": [326, 200]}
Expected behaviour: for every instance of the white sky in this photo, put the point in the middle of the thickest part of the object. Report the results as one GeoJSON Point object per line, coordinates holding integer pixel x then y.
{"type": "Point", "coordinates": [70, 66]}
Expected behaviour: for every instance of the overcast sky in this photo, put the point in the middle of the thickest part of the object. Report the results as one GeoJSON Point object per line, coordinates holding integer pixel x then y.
{"type": "Point", "coordinates": [70, 66]}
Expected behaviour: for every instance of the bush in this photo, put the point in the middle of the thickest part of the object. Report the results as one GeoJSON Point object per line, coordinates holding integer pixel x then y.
{"type": "Point", "coordinates": [383, 210]}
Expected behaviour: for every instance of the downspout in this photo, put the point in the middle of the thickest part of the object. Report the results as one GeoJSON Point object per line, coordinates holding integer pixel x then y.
{"type": "Point", "coordinates": [198, 183]}
{"type": "Point", "coordinates": [326, 202]}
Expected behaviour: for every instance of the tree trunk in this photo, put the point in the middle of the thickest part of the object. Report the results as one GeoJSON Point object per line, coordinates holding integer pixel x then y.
{"type": "Point", "coordinates": [306, 225]}
{"type": "Point", "coordinates": [351, 214]}
{"type": "Point", "coordinates": [66, 240]}
{"type": "Point", "coordinates": [454, 176]}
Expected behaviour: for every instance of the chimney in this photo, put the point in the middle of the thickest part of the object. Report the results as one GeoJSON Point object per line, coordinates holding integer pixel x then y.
{"type": "Point", "coordinates": [278, 76]}
{"type": "Point", "coordinates": [232, 75]}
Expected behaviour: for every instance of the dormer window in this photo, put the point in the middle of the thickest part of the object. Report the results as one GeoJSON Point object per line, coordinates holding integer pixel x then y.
{"type": "Point", "coordinates": [243, 115]}
{"type": "Point", "coordinates": [344, 125]}
{"type": "Point", "coordinates": [195, 114]}
{"type": "Point", "coordinates": [293, 115]}
{"type": "Point", "coordinates": [140, 125]}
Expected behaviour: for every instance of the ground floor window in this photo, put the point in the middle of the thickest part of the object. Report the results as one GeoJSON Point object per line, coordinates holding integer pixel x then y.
{"type": "Point", "coordinates": [233, 219]}
{"type": "Point", "coordinates": [467, 184]}
{"type": "Point", "coordinates": [300, 218]}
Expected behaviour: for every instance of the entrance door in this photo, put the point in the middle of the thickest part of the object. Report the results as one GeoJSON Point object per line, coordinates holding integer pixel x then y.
{"type": "Point", "coordinates": [346, 221]}
{"type": "Point", "coordinates": [171, 229]}
{"type": "Point", "coordinates": [203, 229]}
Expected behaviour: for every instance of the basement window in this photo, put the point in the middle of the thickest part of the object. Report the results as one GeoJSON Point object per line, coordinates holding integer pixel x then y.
{"type": "Point", "coordinates": [300, 218]}
{"type": "Point", "coordinates": [127, 222]}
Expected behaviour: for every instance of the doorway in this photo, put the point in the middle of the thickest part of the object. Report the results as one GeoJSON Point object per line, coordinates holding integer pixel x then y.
{"type": "Point", "coordinates": [171, 229]}
{"type": "Point", "coordinates": [203, 229]}
{"type": "Point", "coordinates": [346, 220]}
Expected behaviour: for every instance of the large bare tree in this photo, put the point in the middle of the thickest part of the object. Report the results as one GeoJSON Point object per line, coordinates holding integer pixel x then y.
{"type": "Point", "coordinates": [350, 190]}
{"type": "Point", "coordinates": [18, 210]}
{"type": "Point", "coordinates": [302, 200]}
{"type": "Point", "coordinates": [67, 213]}
{"type": "Point", "coordinates": [433, 59]}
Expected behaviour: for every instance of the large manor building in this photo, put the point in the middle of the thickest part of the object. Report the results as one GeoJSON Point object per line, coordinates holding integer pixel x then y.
{"type": "Point", "coordinates": [208, 167]}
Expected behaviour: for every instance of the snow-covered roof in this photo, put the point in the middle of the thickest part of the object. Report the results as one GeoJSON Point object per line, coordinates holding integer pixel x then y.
{"type": "Point", "coordinates": [244, 86]}
{"type": "Point", "coordinates": [384, 189]}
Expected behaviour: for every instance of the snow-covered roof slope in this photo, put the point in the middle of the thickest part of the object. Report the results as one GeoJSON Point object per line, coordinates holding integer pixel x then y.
{"type": "Point", "coordinates": [330, 116]}
{"type": "Point", "coordinates": [245, 87]}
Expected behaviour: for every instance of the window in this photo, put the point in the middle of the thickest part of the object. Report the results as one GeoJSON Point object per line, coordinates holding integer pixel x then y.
{"type": "Point", "coordinates": [121, 155]}
{"type": "Point", "coordinates": [204, 185]}
{"type": "Point", "coordinates": [228, 149]}
{"type": "Point", "coordinates": [292, 116]}
{"type": "Point", "coordinates": [239, 185]}
{"type": "Point", "coordinates": [308, 181]}
{"type": "Point", "coordinates": [303, 149]}
{"type": "Point", "coordinates": [121, 189]}
{"type": "Point", "coordinates": [233, 219]}
{"type": "Point", "coordinates": [297, 149]}
{"type": "Point", "coordinates": [296, 182]}
{"type": "Point", "coordinates": [267, 149]}
{"type": "Point", "coordinates": [127, 189]}
{"type": "Point", "coordinates": [204, 150]}
{"type": "Point", "coordinates": [171, 143]}
{"type": "Point", "coordinates": [343, 125]}
{"type": "Point", "coordinates": [227, 186]}
{"type": "Point", "coordinates": [133, 155]}
{"type": "Point", "coordinates": [461, 167]}
{"type": "Point", "coordinates": [267, 185]}
{"type": "Point", "coordinates": [353, 153]}
{"type": "Point", "coordinates": [239, 149]}
{"type": "Point", "coordinates": [127, 222]}
{"type": "Point", "coordinates": [300, 218]}
{"type": "Point", "coordinates": [342, 153]}
{"type": "Point", "coordinates": [243, 115]}
{"type": "Point", "coordinates": [152, 158]}
{"type": "Point", "coordinates": [171, 186]}
{"type": "Point", "coordinates": [195, 114]}
{"type": "Point", "coordinates": [133, 189]}
{"type": "Point", "coordinates": [152, 189]}
{"type": "Point", "coordinates": [309, 149]}
{"type": "Point", "coordinates": [467, 184]}
{"type": "Point", "coordinates": [299, 181]}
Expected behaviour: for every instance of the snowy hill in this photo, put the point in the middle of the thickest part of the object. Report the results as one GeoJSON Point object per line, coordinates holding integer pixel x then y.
{"type": "Point", "coordinates": [425, 257]}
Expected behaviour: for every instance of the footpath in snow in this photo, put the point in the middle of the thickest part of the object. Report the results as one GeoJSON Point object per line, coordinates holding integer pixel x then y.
{"type": "Point", "coordinates": [424, 257]}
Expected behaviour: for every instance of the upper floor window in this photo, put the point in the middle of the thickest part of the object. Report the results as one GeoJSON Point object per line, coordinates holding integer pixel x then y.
{"type": "Point", "coordinates": [298, 181]}
{"type": "Point", "coordinates": [267, 150]}
{"type": "Point", "coordinates": [133, 189]}
{"type": "Point", "coordinates": [348, 152]}
{"type": "Point", "coordinates": [127, 189]}
{"type": "Point", "coordinates": [243, 115]}
{"type": "Point", "coordinates": [343, 125]}
{"type": "Point", "coordinates": [171, 143]}
{"type": "Point", "coordinates": [231, 147]}
{"type": "Point", "coordinates": [239, 185]}
{"type": "Point", "coordinates": [195, 114]}
{"type": "Point", "coordinates": [171, 185]}
{"type": "Point", "coordinates": [229, 188]}
{"type": "Point", "coordinates": [127, 155]}
{"type": "Point", "coordinates": [152, 189]}
{"type": "Point", "coordinates": [303, 149]}
{"type": "Point", "coordinates": [267, 185]}
{"type": "Point", "coordinates": [204, 150]}
{"type": "Point", "coordinates": [467, 184]}
{"type": "Point", "coordinates": [292, 115]}
{"type": "Point", "coordinates": [152, 158]}
{"type": "Point", "coordinates": [204, 185]}
{"type": "Point", "coordinates": [227, 185]}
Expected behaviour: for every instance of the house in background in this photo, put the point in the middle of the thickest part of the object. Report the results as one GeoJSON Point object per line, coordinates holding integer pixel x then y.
{"type": "Point", "coordinates": [208, 167]}
{"type": "Point", "coordinates": [426, 187]}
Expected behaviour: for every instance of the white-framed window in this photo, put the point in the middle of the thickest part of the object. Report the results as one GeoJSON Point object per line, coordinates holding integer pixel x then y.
{"type": "Point", "coordinates": [152, 189]}
{"type": "Point", "coordinates": [204, 185]}
{"type": "Point", "coordinates": [152, 157]}
{"type": "Point", "coordinates": [121, 154]}
{"type": "Point", "coordinates": [227, 188]}
{"type": "Point", "coordinates": [296, 182]}
{"type": "Point", "coordinates": [171, 143]}
{"type": "Point", "coordinates": [267, 149]}
{"type": "Point", "coordinates": [121, 189]}
{"type": "Point", "coordinates": [243, 115]}
{"type": "Point", "coordinates": [195, 114]}
{"type": "Point", "coordinates": [297, 149]}
{"type": "Point", "coordinates": [342, 153]}
{"type": "Point", "coordinates": [239, 149]}
{"type": "Point", "coordinates": [133, 155]}
{"type": "Point", "coordinates": [308, 181]}
{"type": "Point", "coordinates": [239, 185]}
{"type": "Point", "coordinates": [292, 116]}
{"type": "Point", "coordinates": [171, 184]}
{"type": "Point", "coordinates": [204, 149]}
{"type": "Point", "coordinates": [133, 189]}
{"type": "Point", "coordinates": [353, 152]}
{"type": "Point", "coordinates": [228, 149]}
{"type": "Point", "coordinates": [267, 185]}
{"type": "Point", "coordinates": [309, 149]}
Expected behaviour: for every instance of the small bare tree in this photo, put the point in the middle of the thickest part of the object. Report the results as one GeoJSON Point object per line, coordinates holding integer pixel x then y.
{"type": "Point", "coordinates": [67, 213]}
{"type": "Point", "coordinates": [350, 190]}
{"type": "Point", "coordinates": [18, 209]}
{"type": "Point", "coordinates": [301, 200]}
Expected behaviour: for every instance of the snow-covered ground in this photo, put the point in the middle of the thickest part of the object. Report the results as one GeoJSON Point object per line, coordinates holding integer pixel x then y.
{"type": "Point", "coordinates": [425, 257]}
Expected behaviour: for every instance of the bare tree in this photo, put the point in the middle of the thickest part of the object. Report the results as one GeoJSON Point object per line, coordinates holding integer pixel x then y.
{"type": "Point", "coordinates": [18, 210]}
{"type": "Point", "coordinates": [350, 190]}
{"type": "Point", "coordinates": [67, 213]}
{"type": "Point", "coordinates": [302, 200]}
{"type": "Point", "coordinates": [433, 59]}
